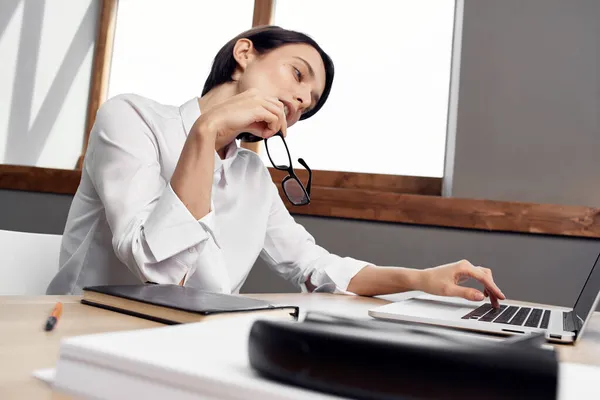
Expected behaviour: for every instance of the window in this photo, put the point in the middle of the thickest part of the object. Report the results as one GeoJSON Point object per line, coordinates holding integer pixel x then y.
{"type": "Point", "coordinates": [46, 50]}
{"type": "Point", "coordinates": [388, 106]}
{"type": "Point", "coordinates": [164, 49]}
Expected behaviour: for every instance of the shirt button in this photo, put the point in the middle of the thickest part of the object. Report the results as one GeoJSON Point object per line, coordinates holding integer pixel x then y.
{"type": "Point", "coordinates": [192, 250]}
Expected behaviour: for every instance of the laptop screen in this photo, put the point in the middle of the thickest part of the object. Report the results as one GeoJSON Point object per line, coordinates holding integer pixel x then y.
{"type": "Point", "coordinates": [588, 294]}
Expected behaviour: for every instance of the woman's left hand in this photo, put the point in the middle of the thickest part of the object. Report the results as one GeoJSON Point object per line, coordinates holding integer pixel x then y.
{"type": "Point", "coordinates": [445, 280]}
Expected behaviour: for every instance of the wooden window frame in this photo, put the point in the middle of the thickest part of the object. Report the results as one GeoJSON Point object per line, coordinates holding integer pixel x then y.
{"type": "Point", "coordinates": [372, 197]}
{"type": "Point", "coordinates": [101, 68]}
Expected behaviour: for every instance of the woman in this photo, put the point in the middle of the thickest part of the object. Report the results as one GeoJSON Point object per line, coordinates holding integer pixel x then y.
{"type": "Point", "coordinates": [166, 195]}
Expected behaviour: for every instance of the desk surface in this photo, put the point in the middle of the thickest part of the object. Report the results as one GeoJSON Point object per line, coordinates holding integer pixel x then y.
{"type": "Point", "coordinates": [25, 346]}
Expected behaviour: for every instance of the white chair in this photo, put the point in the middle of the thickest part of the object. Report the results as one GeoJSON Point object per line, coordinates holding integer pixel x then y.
{"type": "Point", "coordinates": [28, 262]}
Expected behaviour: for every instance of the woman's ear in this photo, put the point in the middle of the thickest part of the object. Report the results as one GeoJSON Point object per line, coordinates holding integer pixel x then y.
{"type": "Point", "coordinates": [244, 53]}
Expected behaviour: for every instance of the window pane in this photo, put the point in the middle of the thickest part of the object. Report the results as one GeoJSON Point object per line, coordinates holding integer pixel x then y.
{"type": "Point", "coordinates": [164, 49]}
{"type": "Point", "coordinates": [388, 106]}
{"type": "Point", "coordinates": [46, 50]}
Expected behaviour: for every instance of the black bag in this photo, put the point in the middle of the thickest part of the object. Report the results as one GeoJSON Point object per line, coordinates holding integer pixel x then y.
{"type": "Point", "coordinates": [382, 360]}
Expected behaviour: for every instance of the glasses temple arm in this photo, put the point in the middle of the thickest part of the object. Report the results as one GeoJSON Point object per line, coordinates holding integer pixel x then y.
{"type": "Point", "coordinates": [303, 163]}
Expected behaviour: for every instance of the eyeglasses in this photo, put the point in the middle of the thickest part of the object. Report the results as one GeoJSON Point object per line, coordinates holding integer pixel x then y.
{"type": "Point", "coordinates": [293, 188]}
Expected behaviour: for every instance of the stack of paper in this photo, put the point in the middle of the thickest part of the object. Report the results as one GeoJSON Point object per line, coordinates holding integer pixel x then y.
{"type": "Point", "coordinates": [207, 360]}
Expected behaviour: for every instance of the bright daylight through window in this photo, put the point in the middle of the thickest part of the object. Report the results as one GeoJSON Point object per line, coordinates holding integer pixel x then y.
{"type": "Point", "coordinates": [164, 49]}
{"type": "Point", "coordinates": [389, 102]}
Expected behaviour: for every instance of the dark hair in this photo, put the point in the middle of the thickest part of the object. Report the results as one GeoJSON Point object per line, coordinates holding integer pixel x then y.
{"type": "Point", "coordinates": [264, 39]}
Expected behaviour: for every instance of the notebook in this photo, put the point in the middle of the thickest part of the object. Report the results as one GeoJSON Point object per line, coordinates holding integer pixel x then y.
{"type": "Point", "coordinates": [173, 304]}
{"type": "Point", "coordinates": [205, 360]}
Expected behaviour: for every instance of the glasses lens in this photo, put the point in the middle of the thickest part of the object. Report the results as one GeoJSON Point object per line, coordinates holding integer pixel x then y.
{"type": "Point", "coordinates": [295, 192]}
{"type": "Point", "coordinates": [277, 152]}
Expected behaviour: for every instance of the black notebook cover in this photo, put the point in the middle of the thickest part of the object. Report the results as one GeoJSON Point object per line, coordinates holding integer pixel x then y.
{"type": "Point", "coordinates": [185, 298]}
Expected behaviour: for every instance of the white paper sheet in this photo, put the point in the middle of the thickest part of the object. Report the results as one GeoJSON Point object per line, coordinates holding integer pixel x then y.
{"type": "Point", "coordinates": [45, 375]}
{"type": "Point", "coordinates": [578, 382]}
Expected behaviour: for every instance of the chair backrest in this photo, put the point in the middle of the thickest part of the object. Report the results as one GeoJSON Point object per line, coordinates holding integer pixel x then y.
{"type": "Point", "coordinates": [28, 262]}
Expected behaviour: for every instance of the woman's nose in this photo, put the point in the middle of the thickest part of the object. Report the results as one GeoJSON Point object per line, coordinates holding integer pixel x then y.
{"type": "Point", "coordinates": [303, 99]}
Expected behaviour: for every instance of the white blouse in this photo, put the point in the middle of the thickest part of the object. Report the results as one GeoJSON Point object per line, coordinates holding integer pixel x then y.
{"type": "Point", "coordinates": [127, 226]}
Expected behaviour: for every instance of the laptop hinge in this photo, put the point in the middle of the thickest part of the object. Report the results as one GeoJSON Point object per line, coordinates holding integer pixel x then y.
{"type": "Point", "coordinates": [571, 322]}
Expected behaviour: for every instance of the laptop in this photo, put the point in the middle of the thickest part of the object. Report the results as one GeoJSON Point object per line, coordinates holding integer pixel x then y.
{"type": "Point", "coordinates": [559, 324]}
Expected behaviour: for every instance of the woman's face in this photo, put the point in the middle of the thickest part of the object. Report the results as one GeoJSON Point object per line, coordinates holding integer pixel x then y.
{"type": "Point", "coordinates": [293, 73]}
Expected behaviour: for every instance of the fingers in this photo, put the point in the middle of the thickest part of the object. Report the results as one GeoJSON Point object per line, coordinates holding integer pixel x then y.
{"type": "Point", "coordinates": [276, 107]}
{"type": "Point", "coordinates": [465, 293]}
{"type": "Point", "coordinates": [282, 116]}
{"type": "Point", "coordinates": [484, 276]}
{"type": "Point", "coordinates": [276, 119]}
{"type": "Point", "coordinates": [268, 117]}
{"type": "Point", "coordinates": [462, 279]}
{"type": "Point", "coordinates": [493, 299]}
{"type": "Point", "coordinates": [263, 106]}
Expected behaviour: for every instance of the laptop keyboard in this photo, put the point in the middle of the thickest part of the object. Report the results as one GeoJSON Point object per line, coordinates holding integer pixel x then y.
{"type": "Point", "coordinates": [512, 315]}
{"type": "Point", "coordinates": [507, 315]}
{"type": "Point", "coordinates": [520, 317]}
{"type": "Point", "coordinates": [545, 319]}
{"type": "Point", "coordinates": [492, 314]}
{"type": "Point", "coordinates": [478, 312]}
{"type": "Point", "coordinates": [534, 318]}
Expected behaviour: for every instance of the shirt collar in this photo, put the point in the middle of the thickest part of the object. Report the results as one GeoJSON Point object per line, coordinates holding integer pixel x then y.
{"type": "Point", "coordinates": [222, 167]}
{"type": "Point", "coordinates": [190, 111]}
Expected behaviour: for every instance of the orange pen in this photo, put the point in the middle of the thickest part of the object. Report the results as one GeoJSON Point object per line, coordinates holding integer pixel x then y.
{"type": "Point", "coordinates": [54, 316]}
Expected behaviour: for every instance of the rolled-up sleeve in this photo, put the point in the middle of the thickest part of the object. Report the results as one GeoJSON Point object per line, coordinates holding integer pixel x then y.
{"type": "Point", "coordinates": [292, 252]}
{"type": "Point", "coordinates": [154, 234]}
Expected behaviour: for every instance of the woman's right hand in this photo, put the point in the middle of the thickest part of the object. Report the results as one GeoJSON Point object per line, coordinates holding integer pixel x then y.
{"type": "Point", "coordinates": [250, 111]}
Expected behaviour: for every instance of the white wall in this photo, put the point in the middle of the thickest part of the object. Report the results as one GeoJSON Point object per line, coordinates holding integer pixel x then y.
{"type": "Point", "coordinates": [46, 50]}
